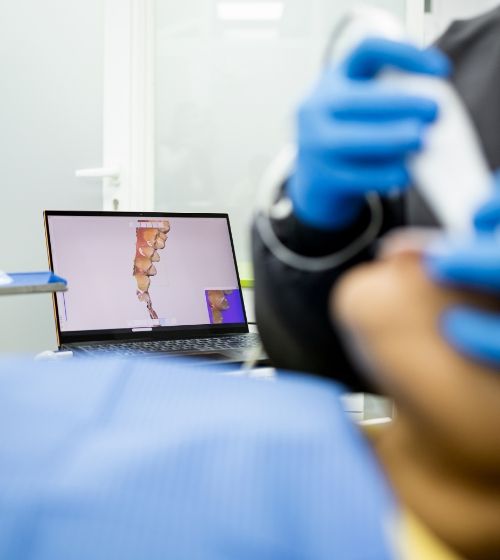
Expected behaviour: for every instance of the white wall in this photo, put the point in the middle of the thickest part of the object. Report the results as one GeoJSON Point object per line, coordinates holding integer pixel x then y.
{"type": "Point", "coordinates": [51, 58]}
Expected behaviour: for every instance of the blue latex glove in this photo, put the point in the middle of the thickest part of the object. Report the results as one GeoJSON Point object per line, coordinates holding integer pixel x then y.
{"type": "Point", "coordinates": [354, 134]}
{"type": "Point", "coordinates": [472, 264]}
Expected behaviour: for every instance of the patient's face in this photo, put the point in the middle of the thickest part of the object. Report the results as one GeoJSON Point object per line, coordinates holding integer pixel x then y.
{"type": "Point", "coordinates": [391, 314]}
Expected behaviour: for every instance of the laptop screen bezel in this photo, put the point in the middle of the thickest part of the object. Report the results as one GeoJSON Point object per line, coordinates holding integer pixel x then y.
{"type": "Point", "coordinates": [157, 333]}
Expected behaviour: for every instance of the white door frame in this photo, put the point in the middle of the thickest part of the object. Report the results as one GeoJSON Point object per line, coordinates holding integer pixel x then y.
{"type": "Point", "coordinates": [415, 20]}
{"type": "Point", "coordinates": [129, 104]}
{"type": "Point", "coordinates": [127, 170]}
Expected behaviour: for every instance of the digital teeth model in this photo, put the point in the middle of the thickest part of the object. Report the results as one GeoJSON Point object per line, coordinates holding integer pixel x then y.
{"type": "Point", "coordinates": [218, 303]}
{"type": "Point", "coordinates": [149, 240]}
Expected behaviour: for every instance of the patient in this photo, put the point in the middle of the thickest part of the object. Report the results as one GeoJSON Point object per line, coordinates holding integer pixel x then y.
{"type": "Point", "coordinates": [442, 452]}
{"type": "Point", "coordinates": [165, 459]}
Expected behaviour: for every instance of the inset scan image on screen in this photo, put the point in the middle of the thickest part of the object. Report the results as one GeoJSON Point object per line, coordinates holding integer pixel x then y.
{"type": "Point", "coordinates": [224, 306]}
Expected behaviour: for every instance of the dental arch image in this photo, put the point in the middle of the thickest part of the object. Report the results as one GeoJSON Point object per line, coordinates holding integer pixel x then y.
{"type": "Point", "coordinates": [149, 241]}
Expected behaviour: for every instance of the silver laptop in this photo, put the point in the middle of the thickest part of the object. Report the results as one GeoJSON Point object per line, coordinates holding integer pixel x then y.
{"type": "Point", "coordinates": [148, 284]}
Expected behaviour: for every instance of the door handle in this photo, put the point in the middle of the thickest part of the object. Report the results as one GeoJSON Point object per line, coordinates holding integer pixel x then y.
{"type": "Point", "coordinates": [111, 173]}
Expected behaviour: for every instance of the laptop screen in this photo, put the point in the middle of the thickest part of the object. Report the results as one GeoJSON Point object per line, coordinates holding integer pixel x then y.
{"type": "Point", "coordinates": [135, 274]}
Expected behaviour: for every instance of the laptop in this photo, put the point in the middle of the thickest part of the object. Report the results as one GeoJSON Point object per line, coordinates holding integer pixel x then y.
{"type": "Point", "coordinates": [148, 284]}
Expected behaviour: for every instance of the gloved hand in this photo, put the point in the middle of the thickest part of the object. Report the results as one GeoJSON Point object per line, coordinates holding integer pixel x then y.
{"type": "Point", "coordinates": [354, 134]}
{"type": "Point", "coordinates": [472, 264]}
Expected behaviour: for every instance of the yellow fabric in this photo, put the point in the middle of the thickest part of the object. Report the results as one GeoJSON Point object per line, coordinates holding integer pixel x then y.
{"type": "Point", "coordinates": [418, 543]}
{"type": "Point", "coordinates": [413, 540]}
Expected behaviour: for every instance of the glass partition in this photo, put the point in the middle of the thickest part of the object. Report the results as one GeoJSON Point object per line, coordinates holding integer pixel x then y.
{"type": "Point", "coordinates": [228, 77]}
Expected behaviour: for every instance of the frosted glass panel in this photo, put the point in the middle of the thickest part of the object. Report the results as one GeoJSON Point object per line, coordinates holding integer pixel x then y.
{"type": "Point", "coordinates": [51, 55]}
{"type": "Point", "coordinates": [226, 90]}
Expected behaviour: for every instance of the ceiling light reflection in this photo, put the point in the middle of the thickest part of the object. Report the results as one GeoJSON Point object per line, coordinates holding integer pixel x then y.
{"type": "Point", "coordinates": [251, 34]}
{"type": "Point", "coordinates": [250, 11]}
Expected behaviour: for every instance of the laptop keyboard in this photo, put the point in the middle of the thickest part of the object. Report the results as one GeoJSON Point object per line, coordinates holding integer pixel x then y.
{"type": "Point", "coordinates": [235, 342]}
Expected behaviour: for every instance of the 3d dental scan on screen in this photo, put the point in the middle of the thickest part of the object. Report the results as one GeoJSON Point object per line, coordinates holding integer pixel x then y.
{"type": "Point", "coordinates": [119, 280]}
{"type": "Point", "coordinates": [148, 284]}
{"type": "Point", "coordinates": [151, 238]}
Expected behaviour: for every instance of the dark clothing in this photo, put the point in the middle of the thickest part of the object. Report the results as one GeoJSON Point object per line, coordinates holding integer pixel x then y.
{"type": "Point", "coordinates": [292, 305]}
